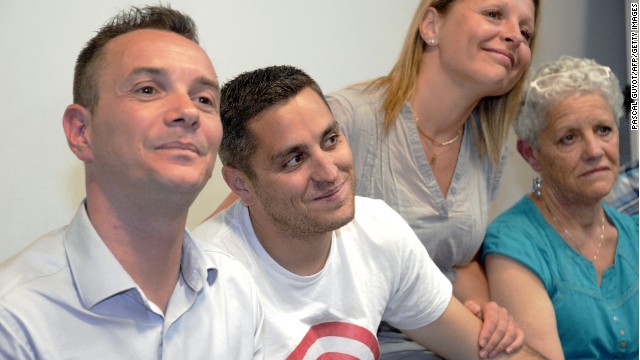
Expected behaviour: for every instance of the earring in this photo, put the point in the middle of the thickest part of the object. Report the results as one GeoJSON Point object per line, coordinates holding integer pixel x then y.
{"type": "Point", "coordinates": [431, 42]}
{"type": "Point", "coordinates": [535, 188]}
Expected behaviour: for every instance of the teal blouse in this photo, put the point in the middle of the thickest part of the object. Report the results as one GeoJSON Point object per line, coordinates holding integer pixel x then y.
{"type": "Point", "coordinates": [593, 322]}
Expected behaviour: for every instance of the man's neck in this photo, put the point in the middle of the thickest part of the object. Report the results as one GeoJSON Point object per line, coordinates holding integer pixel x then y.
{"type": "Point", "coordinates": [146, 240]}
{"type": "Point", "coordinates": [301, 254]}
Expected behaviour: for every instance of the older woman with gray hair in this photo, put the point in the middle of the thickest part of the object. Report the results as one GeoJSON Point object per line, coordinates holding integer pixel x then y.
{"type": "Point", "coordinates": [562, 261]}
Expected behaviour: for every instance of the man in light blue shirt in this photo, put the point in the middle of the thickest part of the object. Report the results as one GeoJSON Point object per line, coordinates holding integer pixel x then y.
{"type": "Point", "coordinates": [624, 195]}
{"type": "Point", "coordinates": [125, 280]}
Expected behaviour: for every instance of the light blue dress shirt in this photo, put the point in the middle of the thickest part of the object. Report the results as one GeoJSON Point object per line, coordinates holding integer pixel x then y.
{"type": "Point", "coordinates": [624, 195]}
{"type": "Point", "coordinates": [67, 297]}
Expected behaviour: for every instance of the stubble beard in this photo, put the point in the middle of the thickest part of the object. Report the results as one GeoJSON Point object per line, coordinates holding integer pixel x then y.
{"type": "Point", "coordinates": [302, 224]}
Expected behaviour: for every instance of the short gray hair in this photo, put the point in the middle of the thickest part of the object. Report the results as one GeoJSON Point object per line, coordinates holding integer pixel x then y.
{"type": "Point", "coordinates": [554, 82]}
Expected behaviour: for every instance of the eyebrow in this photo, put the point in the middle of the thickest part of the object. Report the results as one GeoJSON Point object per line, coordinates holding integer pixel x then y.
{"type": "Point", "coordinates": [147, 71]}
{"type": "Point", "coordinates": [298, 148]}
{"type": "Point", "coordinates": [207, 82]}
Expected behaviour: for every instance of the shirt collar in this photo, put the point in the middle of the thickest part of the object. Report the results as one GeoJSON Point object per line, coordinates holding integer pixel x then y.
{"type": "Point", "coordinates": [98, 274]}
{"type": "Point", "coordinates": [196, 268]}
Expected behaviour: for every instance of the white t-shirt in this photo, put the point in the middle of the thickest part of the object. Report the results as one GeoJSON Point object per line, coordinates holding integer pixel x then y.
{"type": "Point", "coordinates": [377, 270]}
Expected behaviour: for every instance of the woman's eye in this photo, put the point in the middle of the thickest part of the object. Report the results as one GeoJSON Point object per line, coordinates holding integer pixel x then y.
{"type": "Point", "coordinates": [604, 130]}
{"type": "Point", "coordinates": [567, 139]}
{"type": "Point", "coordinates": [494, 14]}
{"type": "Point", "coordinates": [526, 34]}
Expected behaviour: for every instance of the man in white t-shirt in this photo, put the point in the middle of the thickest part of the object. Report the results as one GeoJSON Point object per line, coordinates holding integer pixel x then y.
{"type": "Point", "coordinates": [327, 277]}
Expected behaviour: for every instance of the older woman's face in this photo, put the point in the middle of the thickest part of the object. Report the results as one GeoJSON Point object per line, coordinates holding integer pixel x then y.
{"type": "Point", "coordinates": [578, 148]}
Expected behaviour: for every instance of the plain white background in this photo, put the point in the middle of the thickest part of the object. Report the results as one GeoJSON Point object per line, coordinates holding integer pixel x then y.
{"type": "Point", "coordinates": [338, 42]}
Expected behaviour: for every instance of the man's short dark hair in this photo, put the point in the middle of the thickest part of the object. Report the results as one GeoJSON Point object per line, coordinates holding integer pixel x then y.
{"type": "Point", "coordinates": [85, 87]}
{"type": "Point", "coordinates": [246, 96]}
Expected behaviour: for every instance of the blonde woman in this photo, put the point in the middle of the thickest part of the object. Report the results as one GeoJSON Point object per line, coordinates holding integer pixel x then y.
{"type": "Point", "coordinates": [429, 137]}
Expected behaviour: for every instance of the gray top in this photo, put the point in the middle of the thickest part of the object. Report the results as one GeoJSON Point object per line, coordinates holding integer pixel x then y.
{"type": "Point", "coordinates": [394, 168]}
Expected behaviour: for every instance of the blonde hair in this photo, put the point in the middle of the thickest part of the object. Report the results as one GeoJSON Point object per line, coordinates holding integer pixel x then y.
{"type": "Point", "coordinates": [495, 113]}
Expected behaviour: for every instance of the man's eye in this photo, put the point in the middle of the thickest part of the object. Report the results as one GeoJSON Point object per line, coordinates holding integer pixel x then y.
{"type": "Point", "coordinates": [205, 100]}
{"type": "Point", "coordinates": [331, 140]}
{"type": "Point", "coordinates": [294, 161]}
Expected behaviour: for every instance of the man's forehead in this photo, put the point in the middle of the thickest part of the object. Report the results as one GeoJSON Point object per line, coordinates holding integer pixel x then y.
{"type": "Point", "coordinates": [137, 53]}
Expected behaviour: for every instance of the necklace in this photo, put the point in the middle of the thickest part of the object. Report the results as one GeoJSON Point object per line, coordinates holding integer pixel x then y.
{"type": "Point", "coordinates": [434, 156]}
{"type": "Point", "coordinates": [573, 240]}
{"type": "Point", "coordinates": [448, 142]}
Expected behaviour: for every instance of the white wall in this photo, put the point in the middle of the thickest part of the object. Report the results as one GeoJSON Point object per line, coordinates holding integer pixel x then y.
{"type": "Point", "coordinates": [337, 41]}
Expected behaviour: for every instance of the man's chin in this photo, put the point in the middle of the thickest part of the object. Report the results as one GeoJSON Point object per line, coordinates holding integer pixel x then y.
{"type": "Point", "coordinates": [343, 216]}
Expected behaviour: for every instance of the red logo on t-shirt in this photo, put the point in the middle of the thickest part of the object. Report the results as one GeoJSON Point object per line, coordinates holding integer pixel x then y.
{"type": "Point", "coordinates": [337, 341]}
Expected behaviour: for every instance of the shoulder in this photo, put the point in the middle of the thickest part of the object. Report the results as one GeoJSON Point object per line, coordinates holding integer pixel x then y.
{"type": "Point", "coordinates": [228, 266]}
{"type": "Point", "coordinates": [356, 95]}
{"type": "Point", "coordinates": [523, 235]}
{"type": "Point", "coordinates": [521, 209]}
{"type": "Point", "coordinates": [369, 209]}
{"type": "Point", "coordinates": [627, 225]}
{"type": "Point", "coordinates": [40, 261]}
{"type": "Point", "coordinates": [629, 221]}
{"type": "Point", "coordinates": [227, 235]}
{"type": "Point", "coordinates": [378, 224]}
{"type": "Point", "coordinates": [355, 101]}
{"type": "Point", "coordinates": [225, 225]}
{"type": "Point", "coordinates": [225, 272]}
{"type": "Point", "coordinates": [512, 232]}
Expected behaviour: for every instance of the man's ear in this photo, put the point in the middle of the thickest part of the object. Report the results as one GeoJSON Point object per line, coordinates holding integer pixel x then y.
{"type": "Point", "coordinates": [529, 154]}
{"type": "Point", "coordinates": [75, 122]}
{"type": "Point", "coordinates": [240, 184]}
{"type": "Point", "coordinates": [429, 27]}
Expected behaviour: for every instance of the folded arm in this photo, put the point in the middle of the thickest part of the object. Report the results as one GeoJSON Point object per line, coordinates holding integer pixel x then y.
{"type": "Point", "coordinates": [454, 335]}
{"type": "Point", "coordinates": [499, 330]}
{"type": "Point", "coordinates": [518, 289]}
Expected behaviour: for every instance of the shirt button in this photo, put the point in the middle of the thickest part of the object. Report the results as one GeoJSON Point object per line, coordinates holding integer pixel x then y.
{"type": "Point", "coordinates": [623, 345]}
{"type": "Point", "coordinates": [621, 332]}
{"type": "Point", "coordinates": [615, 318]}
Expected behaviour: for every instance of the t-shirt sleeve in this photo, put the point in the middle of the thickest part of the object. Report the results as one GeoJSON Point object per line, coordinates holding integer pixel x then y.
{"type": "Point", "coordinates": [423, 292]}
